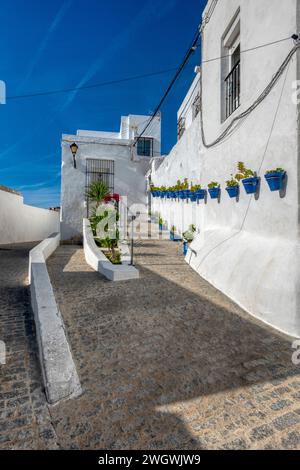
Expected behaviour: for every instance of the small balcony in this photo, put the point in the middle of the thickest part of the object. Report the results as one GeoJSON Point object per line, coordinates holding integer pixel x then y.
{"type": "Point", "coordinates": [232, 90]}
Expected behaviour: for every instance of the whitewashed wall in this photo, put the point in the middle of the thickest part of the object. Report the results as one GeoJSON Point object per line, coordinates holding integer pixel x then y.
{"type": "Point", "coordinates": [21, 223]}
{"type": "Point", "coordinates": [129, 178]}
{"type": "Point", "coordinates": [248, 249]}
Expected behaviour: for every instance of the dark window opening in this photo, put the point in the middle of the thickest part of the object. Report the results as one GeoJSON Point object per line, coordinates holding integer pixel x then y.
{"type": "Point", "coordinates": [232, 83]}
{"type": "Point", "coordinates": [145, 147]}
{"type": "Point", "coordinates": [99, 170]}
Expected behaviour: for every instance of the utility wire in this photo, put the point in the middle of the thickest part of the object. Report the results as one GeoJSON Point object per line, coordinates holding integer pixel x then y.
{"type": "Point", "coordinates": [247, 50]}
{"type": "Point", "coordinates": [251, 108]}
{"type": "Point", "coordinates": [188, 54]}
{"type": "Point", "coordinates": [87, 87]}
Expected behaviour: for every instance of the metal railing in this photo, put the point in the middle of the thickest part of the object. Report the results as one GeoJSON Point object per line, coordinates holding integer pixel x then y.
{"type": "Point", "coordinates": [232, 90]}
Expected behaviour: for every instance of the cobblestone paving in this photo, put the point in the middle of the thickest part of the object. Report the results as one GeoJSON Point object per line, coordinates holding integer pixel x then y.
{"type": "Point", "coordinates": [168, 362]}
{"type": "Point", "coordinates": [25, 422]}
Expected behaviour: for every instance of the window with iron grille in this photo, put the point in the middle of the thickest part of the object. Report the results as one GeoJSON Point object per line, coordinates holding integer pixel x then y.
{"type": "Point", "coordinates": [145, 147]}
{"type": "Point", "coordinates": [196, 106]}
{"type": "Point", "coordinates": [99, 170]}
{"type": "Point", "coordinates": [180, 127]}
{"type": "Point", "coordinates": [231, 68]}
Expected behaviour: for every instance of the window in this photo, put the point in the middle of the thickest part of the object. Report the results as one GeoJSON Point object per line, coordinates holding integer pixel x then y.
{"type": "Point", "coordinates": [196, 106]}
{"type": "Point", "coordinates": [180, 127]}
{"type": "Point", "coordinates": [145, 147]}
{"type": "Point", "coordinates": [99, 170]}
{"type": "Point", "coordinates": [231, 69]}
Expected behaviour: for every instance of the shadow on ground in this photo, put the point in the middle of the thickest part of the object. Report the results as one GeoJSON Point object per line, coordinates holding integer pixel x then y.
{"type": "Point", "coordinates": [168, 362]}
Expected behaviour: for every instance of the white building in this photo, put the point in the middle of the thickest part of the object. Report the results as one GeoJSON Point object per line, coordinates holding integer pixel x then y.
{"type": "Point", "coordinates": [111, 157]}
{"type": "Point", "coordinates": [248, 248]}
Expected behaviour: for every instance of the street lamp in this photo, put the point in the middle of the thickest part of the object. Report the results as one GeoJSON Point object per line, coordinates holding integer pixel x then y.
{"type": "Point", "coordinates": [74, 148]}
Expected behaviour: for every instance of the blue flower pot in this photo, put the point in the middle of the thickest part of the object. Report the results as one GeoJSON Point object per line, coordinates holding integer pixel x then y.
{"type": "Point", "coordinates": [177, 194]}
{"type": "Point", "coordinates": [251, 184]}
{"type": "Point", "coordinates": [233, 191]}
{"type": "Point", "coordinates": [275, 180]}
{"type": "Point", "coordinates": [184, 248]}
{"type": "Point", "coordinates": [193, 196]}
{"type": "Point", "coordinates": [172, 236]}
{"type": "Point", "coordinates": [201, 194]}
{"type": "Point", "coordinates": [182, 194]}
{"type": "Point", "coordinates": [160, 227]}
{"type": "Point", "coordinates": [187, 193]}
{"type": "Point", "coordinates": [214, 193]}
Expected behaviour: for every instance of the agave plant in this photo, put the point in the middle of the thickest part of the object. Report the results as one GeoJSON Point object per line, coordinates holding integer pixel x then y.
{"type": "Point", "coordinates": [97, 192]}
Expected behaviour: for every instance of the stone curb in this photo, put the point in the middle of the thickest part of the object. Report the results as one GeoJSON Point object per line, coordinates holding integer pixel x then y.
{"type": "Point", "coordinates": [59, 372]}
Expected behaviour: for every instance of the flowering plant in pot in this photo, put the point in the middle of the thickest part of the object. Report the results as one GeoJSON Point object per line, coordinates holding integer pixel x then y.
{"type": "Point", "coordinates": [275, 179]}
{"type": "Point", "coordinates": [188, 237]}
{"type": "Point", "coordinates": [214, 190]}
{"type": "Point", "coordinates": [249, 178]}
{"type": "Point", "coordinates": [232, 187]}
{"type": "Point", "coordinates": [161, 223]}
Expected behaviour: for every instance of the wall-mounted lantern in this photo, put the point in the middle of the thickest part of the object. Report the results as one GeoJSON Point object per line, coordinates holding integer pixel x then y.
{"type": "Point", "coordinates": [74, 148]}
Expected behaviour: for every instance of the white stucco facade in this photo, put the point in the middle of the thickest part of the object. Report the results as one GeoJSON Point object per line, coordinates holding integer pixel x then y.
{"type": "Point", "coordinates": [129, 168]}
{"type": "Point", "coordinates": [249, 248]}
{"type": "Point", "coordinates": [21, 223]}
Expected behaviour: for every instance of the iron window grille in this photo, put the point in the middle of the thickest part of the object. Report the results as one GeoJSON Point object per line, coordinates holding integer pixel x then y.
{"type": "Point", "coordinates": [99, 170]}
{"type": "Point", "coordinates": [233, 89]}
{"type": "Point", "coordinates": [196, 106]}
{"type": "Point", "coordinates": [180, 127]}
{"type": "Point", "coordinates": [145, 147]}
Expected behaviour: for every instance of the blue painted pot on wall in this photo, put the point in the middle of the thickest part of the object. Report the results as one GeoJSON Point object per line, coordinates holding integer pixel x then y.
{"type": "Point", "coordinates": [275, 180]}
{"type": "Point", "coordinates": [182, 194]}
{"type": "Point", "coordinates": [214, 192]}
{"type": "Point", "coordinates": [233, 191]}
{"type": "Point", "coordinates": [172, 236]}
{"type": "Point", "coordinates": [184, 248]}
{"type": "Point", "coordinates": [187, 193]}
{"type": "Point", "coordinates": [192, 196]}
{"type": "Point", "coordinates": [201, 194]}
{"type": "Point", "coordinates": [250, 184]}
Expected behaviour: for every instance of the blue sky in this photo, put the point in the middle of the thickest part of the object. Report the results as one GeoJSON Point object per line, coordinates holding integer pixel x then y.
{"type": "Point", "coordinates": [57, 44]}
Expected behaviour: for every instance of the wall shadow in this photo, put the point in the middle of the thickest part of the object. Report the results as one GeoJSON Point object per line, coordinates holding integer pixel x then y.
{"type": "Point", "coordinates": [157, 353]}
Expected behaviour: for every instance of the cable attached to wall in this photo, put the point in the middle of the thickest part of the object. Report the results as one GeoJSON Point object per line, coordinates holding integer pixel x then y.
{"type": "Point", "coordinates": [251, 108]}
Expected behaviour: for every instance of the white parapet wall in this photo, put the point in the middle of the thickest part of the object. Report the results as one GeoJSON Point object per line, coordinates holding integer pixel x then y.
{"type": "Point", "coordinates": [58, 368]}
{"type": "Point", "coordinates": [98, 261]}
{"type": "Point", "coordinates": [21, 223]}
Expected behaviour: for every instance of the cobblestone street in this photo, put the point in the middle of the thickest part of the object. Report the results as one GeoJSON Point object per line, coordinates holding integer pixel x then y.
{"type": "Point", "coordinates": [168, 362]}
{"type": "Point", "coordinates": [24, 417]}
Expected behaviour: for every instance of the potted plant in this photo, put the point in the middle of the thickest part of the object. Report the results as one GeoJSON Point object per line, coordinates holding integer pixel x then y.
{"type": "Point", "coordinates": [249, 179]}
{"type": "Point", "coordinates": [214, 190]}
{"type": "Point", "coordinates": [275, 179]}
{"type": "Point", "coordinates": [185, 189]}
{"type": "Point", "coordinates": [172, 233]}
{"type": "Point", "coordinates": [160, 223]}
{"type": "Point", "coordinates": [188, 237]}
{"type": "Point", "coordinates": [232, 187]}
{"type": "Point", "coordinates": [192, 194]}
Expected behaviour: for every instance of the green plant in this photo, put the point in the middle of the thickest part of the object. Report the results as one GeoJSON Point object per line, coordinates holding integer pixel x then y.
{"type": "Point", "coordinates": [232, 183]}
{"type": "Point", "coordinates": [185, 184]}
{"type": "Point", "coordinates": [278, 170]}
{"type": "Point", "coordinates": [97, 192]}
{"type": "Point", "coordinates": [243, 172]}
{"type": "Point", "coordinates": [195, 187]}
{"type": "Point", "coordinates": [189, 234]}
{"type": "Point", "coordinates": [173, 229]}
{"type": "Point", "coordinates": [213, 184]}
{"type": "Point", "coordinates": [160, 220]}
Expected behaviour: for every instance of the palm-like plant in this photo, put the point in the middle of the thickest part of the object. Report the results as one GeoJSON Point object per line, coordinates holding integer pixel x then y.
{"type": "Point", "coordinates": [97, 192]}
